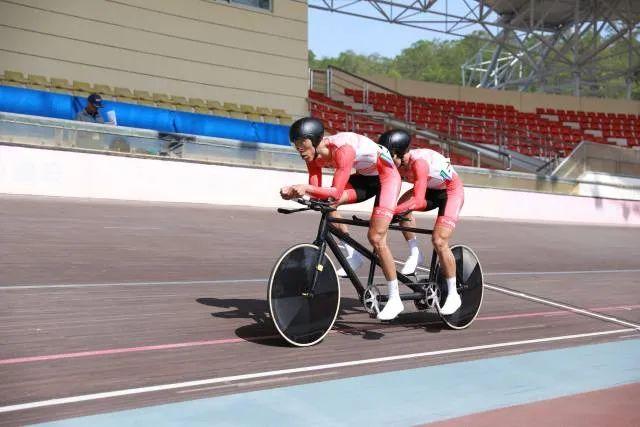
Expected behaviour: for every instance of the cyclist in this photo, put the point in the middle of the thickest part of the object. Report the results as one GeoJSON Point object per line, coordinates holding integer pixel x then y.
{"type": "Point", "coordinates": [375, 175]}
{"type": "Point", "coordinates": [435, 185]}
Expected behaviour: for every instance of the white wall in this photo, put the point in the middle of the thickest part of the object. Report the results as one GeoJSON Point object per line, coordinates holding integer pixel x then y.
{"type": "Point", "coordinates": [35, 171]}
{"type": "Point", "coordinates": [604, 185]}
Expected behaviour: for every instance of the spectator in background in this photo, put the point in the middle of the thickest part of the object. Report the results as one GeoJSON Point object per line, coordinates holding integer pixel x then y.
{"type": "Point", "coordinates": [91, 112]}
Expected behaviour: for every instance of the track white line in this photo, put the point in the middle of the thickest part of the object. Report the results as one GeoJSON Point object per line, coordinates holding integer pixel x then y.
{"type": "Point", "coordinates": [550, 273]}
{"type": "Point", "coordinates": [198, 383]}
{"type": "Point", "coordinates": [218, 282]}
{"type": "Point", "coordinates": [539, 273]}
{"type": "Point", "coordinates": [95, 285]}
{"type": "Point", "coordinates": [259, 382]}
{"type": "Point", "coordinates": [560, 305]}
{"type": "Point", "coordinates": [124, 227]}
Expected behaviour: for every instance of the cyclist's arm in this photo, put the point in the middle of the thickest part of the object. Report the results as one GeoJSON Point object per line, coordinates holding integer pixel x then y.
{"type": "Point", "coordinates": [343, 157]}
{"type": "Point", "coordinates": [315, 173]}
{"type": "Point", "coordinates": [417, 202]}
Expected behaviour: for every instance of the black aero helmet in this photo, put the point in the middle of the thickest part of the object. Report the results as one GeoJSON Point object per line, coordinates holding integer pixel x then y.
{"type": "Point", "coordinates": [396, 141]}
{"type": "Point", "coordinates": [307, 127]}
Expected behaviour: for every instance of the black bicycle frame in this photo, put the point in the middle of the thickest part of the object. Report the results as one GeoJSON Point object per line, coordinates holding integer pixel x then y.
{"type": "Point", "coordinates": [325, 237]}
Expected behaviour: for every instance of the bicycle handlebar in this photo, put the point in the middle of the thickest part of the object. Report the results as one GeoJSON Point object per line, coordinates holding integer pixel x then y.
{"type": "Point", "coordinates": [290, 211]}
{"type": "Point", "coordinates": [311, 205]}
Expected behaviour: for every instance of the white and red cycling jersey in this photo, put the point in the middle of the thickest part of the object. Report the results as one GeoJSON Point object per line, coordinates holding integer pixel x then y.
{"type": "Point", "coordinates": [352, 151]}
{"type": "Point", "coordinates": [424, 163]}
{"type": "Point", "coordinates": [430, 170]}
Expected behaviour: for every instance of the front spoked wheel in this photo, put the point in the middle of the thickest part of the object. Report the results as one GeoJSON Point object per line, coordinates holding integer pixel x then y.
{"type": "Point", "coordinates": [303, 318]}
{"type": "Point", "coordinates": [470, 287]}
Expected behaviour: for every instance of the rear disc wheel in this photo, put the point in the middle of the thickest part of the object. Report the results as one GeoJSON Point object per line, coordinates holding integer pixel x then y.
{"type": "Point", "coordinates": [470, 287]}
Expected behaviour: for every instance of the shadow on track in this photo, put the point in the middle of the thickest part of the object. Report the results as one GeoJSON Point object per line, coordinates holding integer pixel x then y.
{"type": "Point", "coordinates": [262, 331]}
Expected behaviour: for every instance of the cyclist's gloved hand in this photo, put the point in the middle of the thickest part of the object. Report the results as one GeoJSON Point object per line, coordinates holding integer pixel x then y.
{"type": "Point", "coordinates": [299, 190]}
{"type": "Point", "coordinates": [293, 191]}
{"type": "Point", "coordinates": [287, 193]}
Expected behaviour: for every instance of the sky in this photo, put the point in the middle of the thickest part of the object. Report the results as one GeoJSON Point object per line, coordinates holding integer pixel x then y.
{"type": "Point", "coordinates": [331, 33]}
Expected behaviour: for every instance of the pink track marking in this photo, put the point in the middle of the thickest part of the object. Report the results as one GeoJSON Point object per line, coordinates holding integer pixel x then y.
{"type": "Point", "coordinates": [123, 350]}
{"type": "Point", "coordinates": [555, 313]}
{"type": "Point", "coordinates": [239, 340]}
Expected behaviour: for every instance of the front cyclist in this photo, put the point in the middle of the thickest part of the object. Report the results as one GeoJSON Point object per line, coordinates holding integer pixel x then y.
{"type": "Point", "coordinates": [435, 185]}
{"type": "Point", "coordinates": [376, 175]}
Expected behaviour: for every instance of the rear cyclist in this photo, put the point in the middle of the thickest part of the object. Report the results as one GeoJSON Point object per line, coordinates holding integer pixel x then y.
{"type": "Point", "coordinates": [435, 185]}
{"type": "Point", "coordinates": [376, 175]}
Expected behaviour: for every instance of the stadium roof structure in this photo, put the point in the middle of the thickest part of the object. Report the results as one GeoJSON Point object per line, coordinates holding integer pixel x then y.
{"type": "Point", "coordinates": [552, 14]}
{"type": "Point", "coordinates": [582, 47]}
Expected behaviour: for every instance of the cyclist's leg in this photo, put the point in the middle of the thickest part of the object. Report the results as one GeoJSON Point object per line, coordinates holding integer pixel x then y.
{"type": "Point", "coordinates": [378, 232]}
{"type": "Point", "coordinates": [358, 189]}
{"type": "Point", "coordinates": [386, 200]}
{"type": "Point", "coordinates": [377, 235]}
{"type": "Point", "coordinates": [416, 256]}
{"type": "Point", "coordinates": [408, 235]}
{"type": "Point", "coordinates": [354, 258]}
{"type": "Point", "coordinates": [440, 240]}
{"type": "Point", "coordinates": [344, 200]}
{"type": "Point", "coordinates": [351, 194]}
{"type": "Point", "coordinates": [442, 232]}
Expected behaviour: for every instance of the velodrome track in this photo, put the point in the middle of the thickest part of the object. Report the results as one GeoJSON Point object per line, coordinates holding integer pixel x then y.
{"type": "Point", "coordinates": [108, 306]}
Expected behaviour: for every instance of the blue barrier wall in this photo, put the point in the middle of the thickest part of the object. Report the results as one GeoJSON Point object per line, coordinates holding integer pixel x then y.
{"type": "Point", "coordinates": [48, 104]}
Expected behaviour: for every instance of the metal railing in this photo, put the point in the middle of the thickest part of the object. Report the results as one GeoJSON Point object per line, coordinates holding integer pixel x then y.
{"type": "Point", "coordinates": [352, 120]}
{"type": "Point", "coordinates": [496, 132]}
{"type": "Point", "coordinates": [91, 137]}
{"type": "Point", "coordinates": [506, 135]}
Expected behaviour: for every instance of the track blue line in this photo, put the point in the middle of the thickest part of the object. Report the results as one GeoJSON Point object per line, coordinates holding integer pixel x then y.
{"type": "Point", "coordinates": [401, 398]}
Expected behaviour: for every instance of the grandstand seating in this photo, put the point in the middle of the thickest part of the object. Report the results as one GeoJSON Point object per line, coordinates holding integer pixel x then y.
{"type": "Point", "coordinates": [60, 85]}
{"type": "Point", "coordinates": [38, 81]}
{"type": "Point", "coordinates": [339, 117]}
{"type": "Point", "coordinates": [523, 132]}
{"type": "Point", "coordinates": [608, 128]}
{"type": "Point", "coordinates": [81, 88]}
{"type": "Point", "coordinates": [135, 96]}
{"type": "Point", "coordinates": [334, 114]}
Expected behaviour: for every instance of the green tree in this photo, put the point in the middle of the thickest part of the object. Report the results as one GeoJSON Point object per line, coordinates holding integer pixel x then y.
{"type": "Point", "coordinates": [441, 61]}
{"type": "Point", "coordinates": [437, 61]}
